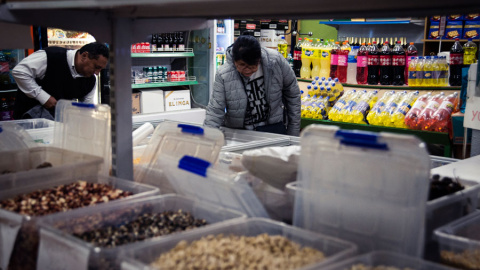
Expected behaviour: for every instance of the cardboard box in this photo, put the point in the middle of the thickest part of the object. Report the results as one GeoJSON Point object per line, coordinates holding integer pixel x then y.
{"type": "Point", "coordinates": [136, 103]}
{"type": "Point", "coordinates": [269, 38]}
{"type": "Point", "coordinates": [152, 101]}
{"type": "Point", "coordinates": [177, 100]}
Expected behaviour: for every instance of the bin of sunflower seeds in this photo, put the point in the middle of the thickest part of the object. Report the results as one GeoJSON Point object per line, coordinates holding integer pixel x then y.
{"type": "Point", "coordinates": [253, 243]}
{"type": "Point", "coordinates": [94, 238]}
{"type": "Point", "coordinates": [24, 201]}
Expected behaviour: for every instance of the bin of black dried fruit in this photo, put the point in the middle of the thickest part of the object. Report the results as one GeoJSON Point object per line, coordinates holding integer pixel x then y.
{"type": "Point", "coordinates": [440, 187]}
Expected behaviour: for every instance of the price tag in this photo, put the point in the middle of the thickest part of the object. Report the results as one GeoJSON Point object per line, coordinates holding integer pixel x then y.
{"type": "Point", "coordinates": [60, 253]}
{"type": "Point", "coordinates": [441, 29]}
{"type": "Point", "coordinates": [8, 233]}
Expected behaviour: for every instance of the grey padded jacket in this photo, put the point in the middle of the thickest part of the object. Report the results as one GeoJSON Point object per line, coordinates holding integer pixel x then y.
{"type": "Point", "coordinates": [229, 92]}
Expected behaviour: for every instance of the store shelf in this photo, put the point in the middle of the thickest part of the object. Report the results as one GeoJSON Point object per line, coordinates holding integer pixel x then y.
{"type": "Point", "coordinates": [363, 23]}
{"type": "Point", "coordinates": [393, 87]}
{"type": "Point", "coordinates": [163, 54]}
{"type": "Point", "coordinates": [447, 40]}
{"type": "Point", "coordinates": [163, 84]}
{"type": "Point", "coordinates": [427, 136]}
{"type": "Point", "coordinates": [8, 91]}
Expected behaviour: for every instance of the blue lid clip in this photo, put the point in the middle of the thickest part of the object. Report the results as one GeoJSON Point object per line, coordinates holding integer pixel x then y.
{"type": "Point", "coordinates": [191, 129]}
{"type": "Point", "coordinates": [194, 165]}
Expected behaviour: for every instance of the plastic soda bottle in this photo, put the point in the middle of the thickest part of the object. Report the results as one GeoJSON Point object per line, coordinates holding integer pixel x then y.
{"type": "Point", "coordinates": [297, 57]}
{"type": "Point", "coordinates": [378, 108]}
{"type": "Point", "coordinates": [425, 116]}
{"type": "Point", "coordinates": [342, 63]}
{"type": "Point", "coordinates": [456, 63]}
{"type": "Point", "coordinates": [361, 110]}
{"type": "Point", "coordinates": [305, 71]}
{"type": "Point", "coordinates": [419, 70]}
{"type": "Point", "coordinates": [316, 50]}
{"type": "Point", "coordinates": [436, 71]}
{"type": "Point", "coordinates": [386, 65]}
{"type": "Point", "coordinates": [398, 64]}
{"type": "Point", "coordinates": [444, 71]}
{"type": "Point", "coordinates": [373, 62]}
{"type": "Point", "coordinates": [343, 114]}
{"type": "Point", "coordinates": [412, 73]}
{"type": "Point", "coordinates": [398, 117]}
{"type": "Point", "coordinates": [390, 107]}
{"type": "Point", "coordinates": [427, 71]}
{"type": "Point", "coordinates": [282, 47]}
{"type": "Point", "coordinates": [411, 118]}
{"type": "Point", "coordinates": [334, 111]}
{"type": "Point", "coordinates": [334, 60]}
{"type": "Point", "coordinates": [362, 71]}
{"type": "Point", "coordinates": [441, 117]}
{"type": "Point", "coordinates": [325, 61]}
{"type": "Point", "coordinates": [469, 51]}
{"type": "Point", "coordinates": [411, 51]}
{"type": "Point", "coordinates": [352, 65]}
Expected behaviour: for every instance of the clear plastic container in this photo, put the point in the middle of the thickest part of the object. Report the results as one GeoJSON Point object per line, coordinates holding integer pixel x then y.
{"type": "Point", "coordinates": [368, 188]}
{"type": "Point", "coordinates": [459, 242]}
{"type": "Point", "coordinates": [390, 260]}
{"type": "Point", "coordinates": [14, 137]}
{"type": "Point", "coordinates": [198, 179]}
{"type": "Point", "coordinates": [41, 130]}
{"type": "Point", "coordinates": [21, 231]}
{"type": "Point", "coordinates": [57, 244]}
{"type": "Point", "coordinates": [84, 128]}
{"type": "Point", "coordinates": [333, 248]}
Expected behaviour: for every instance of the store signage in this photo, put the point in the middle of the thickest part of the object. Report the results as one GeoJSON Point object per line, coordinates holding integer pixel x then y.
{"type": "Point", "coordinates": [472, 108]}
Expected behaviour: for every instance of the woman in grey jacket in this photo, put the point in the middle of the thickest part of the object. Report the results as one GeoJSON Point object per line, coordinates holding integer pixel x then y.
{"type": "Point", "coordinates": [256, 89]}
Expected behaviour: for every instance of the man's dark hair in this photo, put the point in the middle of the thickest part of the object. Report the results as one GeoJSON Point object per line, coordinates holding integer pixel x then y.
{"type": "Point", "coordinates": [95, 49]}
{"type": "Point", "coordinates": [247, 48]}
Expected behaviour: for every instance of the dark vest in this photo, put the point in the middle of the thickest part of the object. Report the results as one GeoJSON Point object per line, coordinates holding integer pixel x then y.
{"type": "Point", "coordinates": [58, 82]}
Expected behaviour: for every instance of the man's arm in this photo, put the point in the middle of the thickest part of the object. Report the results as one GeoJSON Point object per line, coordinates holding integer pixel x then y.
{"type": "Point", "coordinates": [25, 73]}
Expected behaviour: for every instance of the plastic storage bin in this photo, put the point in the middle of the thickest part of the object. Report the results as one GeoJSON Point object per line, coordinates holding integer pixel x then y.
{"type": "Point", "coordinates": [459, 242]}
{"type": "Point", "coordinates": [84, 128]}
{"type": "Point", "coordinates": [393, 261]}
{"type": "Point", "coordinates": [364, 187]}
{"type": "Point", "coordinates": [57, 244]}
{"type": "Point", "coordinates": [173, 139]}
{"type": "Point", "coordinates": [41, 130]}
{"type": "Point", "coordinates": [14, 137]}
{"type": "Point", "coordinates": [334, 249]}
{"type": "Point", "coordinates": [21, 231]}
{"type": "Point", "coordinates": [196, 178]}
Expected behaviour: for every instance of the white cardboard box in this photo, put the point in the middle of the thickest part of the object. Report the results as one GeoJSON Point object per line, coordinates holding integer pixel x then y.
{"type": "Point", "coordinates": [269, 38]}
{"type": "Point", "coordinates": [177, 100]}
{"type": "Point", "coordinates": [152, 101]}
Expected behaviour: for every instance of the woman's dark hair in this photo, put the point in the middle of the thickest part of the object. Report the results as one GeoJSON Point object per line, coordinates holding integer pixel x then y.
{"type": "Point", "coordinates": [95, 49]}
{"type": "Point", "coordinates": [247, 48]}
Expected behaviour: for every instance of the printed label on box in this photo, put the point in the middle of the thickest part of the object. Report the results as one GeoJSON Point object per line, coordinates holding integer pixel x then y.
{"type": "Point", "coordinates": [453, 30]}
{"type": "Point", "coordinates": [177, 100]}
{"type": "Point", "coordinates": [471, 29]}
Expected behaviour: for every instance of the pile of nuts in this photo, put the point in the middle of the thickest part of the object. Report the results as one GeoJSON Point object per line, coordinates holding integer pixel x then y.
{"type": "Point", "coordinates": [62, 198]}
{"type": "Point", "coordinates": [238, 252]}
{"type": "Point", "coordinates": [380, 267]}
{"type": "Point", "coordinates": [144, 227]}
{"type": "Point", "coordinates": [468, 259]}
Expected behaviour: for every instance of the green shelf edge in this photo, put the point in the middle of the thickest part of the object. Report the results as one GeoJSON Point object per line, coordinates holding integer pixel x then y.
{"type": "Point", "coordinates": [164, 55]}
{"type": "Point", "coordinates": [379, 86]}
{"type": "Point", "coordinates": [165, 84]}
{"type": "Point", "coordinates": [426, 136]}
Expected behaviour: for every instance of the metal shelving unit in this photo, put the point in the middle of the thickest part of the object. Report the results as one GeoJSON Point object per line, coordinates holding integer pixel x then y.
{"type": "Point", "coordinates": [121, 23]}
{"type": "Point", "coordinates": [191, 81]}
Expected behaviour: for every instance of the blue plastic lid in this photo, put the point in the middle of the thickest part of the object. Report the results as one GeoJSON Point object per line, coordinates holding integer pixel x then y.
{"type": "Point", "coordinates": [83, 105]}
{"type": "Point", "coordinates": [191, 129]}
{"type": "Point", "coordinates": [360, 139]}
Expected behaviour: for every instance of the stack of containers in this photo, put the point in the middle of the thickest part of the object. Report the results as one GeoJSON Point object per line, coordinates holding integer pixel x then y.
{"type": "Point", "coordinates": [18, 232]}
{"type": "Point", "coordinates": [40, 129]}
{"type": "Point", "coordinates": [60, 249]}
{"type": "Point", "coordinates": [371, 190]}
{"type": "Point", "coordinates": [459, 242]}
{"type": "Point", "coordinates": [333, 249]}
{"type": "Point", "coordinates": [185, 155]}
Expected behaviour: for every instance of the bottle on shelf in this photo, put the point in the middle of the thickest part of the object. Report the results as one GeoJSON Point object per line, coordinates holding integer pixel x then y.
{"type": "Point", "coordinates": [305, 71]}
{"type": "Point", "coordinates": [334, 60]}
{"type": "Point", "coordinates": [290, 61]}
{"type": "Point", "coordinates": [297, 57]}
{"type": "Point", "coordinates": [352, 65]}
{"type": "Point", "coordinates": [412, 72]}
{"type": "Point", "coordinates": [160, 42]}
{"type": "Point", "coordinates": [282, 47]}
{"type": "Point", "coordinates": [373, 61]}
{"type": "Point", "coordinates": [174, 41]}
{"type": "Point", "coordinates": [428, 71]}
{"type": "Point", "coordinates": [316, 58]}
{"type": "Point", "coordinates": [410, 51]}
{"type": "Point", "coordinates": [444, 71]}
{"type": "Point", "coordinates": [154, 42]}
{"type": "Point", "coordinates": [343, 63]}
{"type": "Point", "coordinates": [469, 52]}
{"type": "Point", "coordinates": [436, 71]}
{"type": "Point", "coordinates": [411, 118]}
{"type": "Point", "coordinates": [384, 119]}
{"type": "Point", "coordinates": [362, 70]}
{"type": "Point", "coordinates": [419, 70]}
{"type": "Point", "coordinates": [424, 121]}
{"type": "Point", "coordinates": [442, 116]}
{"type": "Point", "coordinates": [325, 59]}
{"type": "Point", "coordinates": [456, 63]}
{"type": "Point", "coordinates": [398, 117]}
{"type": "Point", "coordinates": [398, 64]}
{"type": "Point", "coordinates": [181, 42]}
{"type": "Point", "coordinates": [386, 65]}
